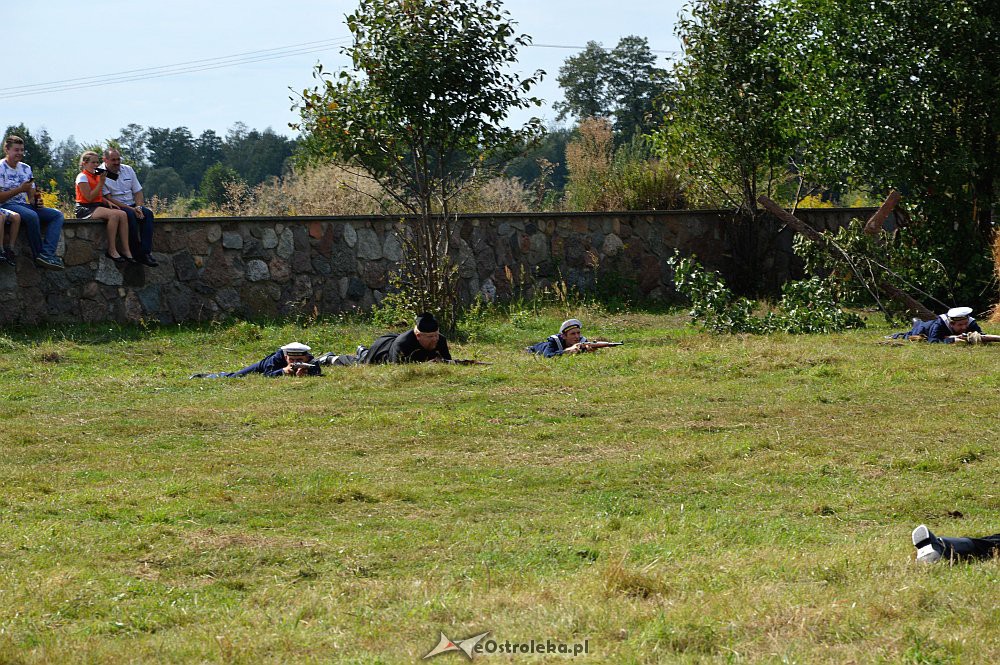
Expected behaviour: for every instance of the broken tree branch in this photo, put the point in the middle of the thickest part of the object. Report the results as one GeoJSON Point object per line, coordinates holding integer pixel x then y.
{"type": "Point", "coordinates": [874, 224]}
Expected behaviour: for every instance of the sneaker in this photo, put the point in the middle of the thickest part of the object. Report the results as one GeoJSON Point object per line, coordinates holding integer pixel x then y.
{"type": "Point", "coordinates": [9, 257]}
{"type": "Point", "coordinates": [326, 359]}
{"type": "Point", "coordinates": [49, 262]}
{"type": "Point", "coordinates": [929, 546]}
{"type": "Point", "coordinates": [148, 260]}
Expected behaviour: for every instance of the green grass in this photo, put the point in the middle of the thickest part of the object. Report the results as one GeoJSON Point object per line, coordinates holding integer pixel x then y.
{"type": "Point", "coordinates": [685, 498]}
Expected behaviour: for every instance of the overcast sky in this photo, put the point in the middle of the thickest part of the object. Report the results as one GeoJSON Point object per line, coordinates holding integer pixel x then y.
{"type": "Point", "coordinates": [230, 51]}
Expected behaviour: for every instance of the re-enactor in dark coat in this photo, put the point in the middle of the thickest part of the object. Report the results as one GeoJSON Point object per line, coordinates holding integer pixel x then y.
{"type": "Point", "coordinates": [424, 343]}
{"type": "Point", "coordinates": [945, 329]}
{"type": "Point", "coordinates": [275, 365]}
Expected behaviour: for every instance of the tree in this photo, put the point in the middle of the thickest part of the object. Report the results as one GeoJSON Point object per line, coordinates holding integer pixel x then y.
{"type": "Point", "coordinates": [209, 149]}
{"type": "Point", "coordinates": [213, 185]}
{"type": "Point", "coordinates": [175, 149]}
{"type": "Point", "coordinates": [66, 165]}
{"type": "Point", "coordinates": [423, 107]}
{"type": "Point", "coordinates": [725, 121]}
{"type": "Point", "coordinates": [37, 150]}
{"type": "Point", "coordinates": [635, 84]}
{"type": "Point", "coordinates": [583, 79]}
{"type": "Point", "coordinates": [131, 143]}
{"type": "Point", "coordinates": [623, 83]}
{"type": "Point", "coordinates": [256, 155]}
{"type": "Point", "coordinates": [543, 165]}
{"type": "Point", "coordinates": [165, 183]}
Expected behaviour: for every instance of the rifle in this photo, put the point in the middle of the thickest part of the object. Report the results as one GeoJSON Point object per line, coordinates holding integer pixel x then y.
{"type": "Point", "coordinates": [590, 346]}
{"type": "Point", "coordinates": [460, 361]}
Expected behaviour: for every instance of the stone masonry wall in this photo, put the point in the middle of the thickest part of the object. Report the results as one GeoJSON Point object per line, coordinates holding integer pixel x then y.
{"type": "Point", "coordinates": [258, 267]}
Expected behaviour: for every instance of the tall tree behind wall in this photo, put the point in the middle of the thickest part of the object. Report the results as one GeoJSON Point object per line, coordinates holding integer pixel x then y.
{"type": "Point", "coordinates": [421, 110]}
{"type": "Point", "coordinates": [624, 84]}
{"type": "Point", "coordinates": [725, 123]}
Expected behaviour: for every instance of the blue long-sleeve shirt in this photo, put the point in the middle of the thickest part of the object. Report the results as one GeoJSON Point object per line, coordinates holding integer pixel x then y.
{"type": "Point", "coordinates": [938, 330]}
{"type": "Point", "coordinates": [273, 366]}
{"type": "Point", "coordinates": [553, 346]}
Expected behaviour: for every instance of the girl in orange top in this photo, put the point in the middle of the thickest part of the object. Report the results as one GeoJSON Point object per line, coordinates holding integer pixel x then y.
{"type": "Point", "coordinates": [90, 204]}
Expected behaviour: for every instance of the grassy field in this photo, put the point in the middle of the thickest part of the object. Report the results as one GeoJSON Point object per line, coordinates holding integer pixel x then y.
{"type": "Point", "coordinates": [685, 498]}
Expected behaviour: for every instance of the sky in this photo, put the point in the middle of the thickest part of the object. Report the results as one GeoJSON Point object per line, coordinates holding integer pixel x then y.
{"type": "Point", "coordinates": [208, 64]}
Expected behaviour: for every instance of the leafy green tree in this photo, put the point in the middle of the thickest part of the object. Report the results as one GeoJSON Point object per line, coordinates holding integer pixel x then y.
{"type": "Point", "coordinates": [423, 107]}
{"type": "Point", "coordinates": [256, 155]}
{"type": "Point", "coordinates": [213, 185]}
{"type": "Point", "coordinates": [544, 159]}
{"type": "Point", "coordinates": [902, 93]}
{"type": "Point", "coordinates": [165, 183]}
{"type": "Point", "coordinates": [131, 143]}
{"type": "Point", "coordinates": [725, 123]}
{"type": "Point", "coordinates": [635, 84]}
{"type": "Point", "coordinates": [209, 149]}
{"type": "Point", "coordinates": [175, 149]}
{"type": "Point", "coordinates": [583, 79]}
{"type": "Point", "coordinates": [623, 83]}
{"type": "Point", "coordinates": [37, 150]}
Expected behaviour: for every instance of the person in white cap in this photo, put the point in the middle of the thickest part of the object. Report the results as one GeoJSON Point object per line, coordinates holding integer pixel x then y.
{"type": "Point", "coordinates": [931, 548]}
{"type": "Point", "coordinates": [290, 360]}
{"type": "Point", "coordinates": [568, 341]}
{"type": "Point", "coordinates": [954, 326]}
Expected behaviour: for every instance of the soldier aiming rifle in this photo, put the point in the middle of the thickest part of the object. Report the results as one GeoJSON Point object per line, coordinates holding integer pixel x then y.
{"type": "Point", "coordinates": [568, 341]}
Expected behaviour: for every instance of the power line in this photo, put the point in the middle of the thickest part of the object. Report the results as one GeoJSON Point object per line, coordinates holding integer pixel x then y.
{"type": "Point", "coordinates": [188, 67]}
{"type": "Point", "coordinates": [201, 65]}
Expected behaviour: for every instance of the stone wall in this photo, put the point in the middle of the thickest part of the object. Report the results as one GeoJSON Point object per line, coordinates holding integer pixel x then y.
{"type": "Point", "coordinates": [256, 267]}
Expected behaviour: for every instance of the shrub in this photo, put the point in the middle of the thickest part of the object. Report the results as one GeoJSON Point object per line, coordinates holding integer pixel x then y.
{"type": "Point", "coordinates": [806, 306]}
{"type": "Point", "coordinates": [601, 178]}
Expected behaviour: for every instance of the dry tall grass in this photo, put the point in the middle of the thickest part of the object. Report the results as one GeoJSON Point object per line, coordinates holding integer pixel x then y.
{"type": "Point", "coordinates": [330, 189]}
{"type": "Point", "coordinates": [325, 189]}
{"type": "Point", "coordinates": [602, 178]}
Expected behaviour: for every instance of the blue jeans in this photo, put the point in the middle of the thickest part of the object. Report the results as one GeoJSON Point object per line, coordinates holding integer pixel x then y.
{"type": "Point", "coordinates": [140, 232]}
{"type": "Point", "coordinates": [33, 218]}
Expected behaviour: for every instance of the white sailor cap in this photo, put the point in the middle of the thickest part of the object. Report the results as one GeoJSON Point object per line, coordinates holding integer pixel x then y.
{"type": "Point", "coordinates": [296, 348]}
{"type": "Point", "coordinates": [570, 323]}
{"type": "Point", "coordinates": [959, 313]}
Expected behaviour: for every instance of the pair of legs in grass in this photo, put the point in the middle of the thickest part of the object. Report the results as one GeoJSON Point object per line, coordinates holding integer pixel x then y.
{"type": "Point", "coordinates": [931, 548]}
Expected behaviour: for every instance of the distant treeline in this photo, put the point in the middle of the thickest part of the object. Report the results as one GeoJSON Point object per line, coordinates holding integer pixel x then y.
{"type": "Point", "coordinates": [171, 163]}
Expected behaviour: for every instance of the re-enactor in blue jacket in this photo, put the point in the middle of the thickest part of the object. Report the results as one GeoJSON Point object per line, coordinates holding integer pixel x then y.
{"type": "Point", "coordinates": [570, 340]}
{"type": "Point", "coordinates": [279, 363]}
{"type": "Point", "coordinates": [945, 329]}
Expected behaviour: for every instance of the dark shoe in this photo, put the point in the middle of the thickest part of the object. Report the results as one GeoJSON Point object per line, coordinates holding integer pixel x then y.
{"type": "Point", "coordinates": [130, 259]}
{"type": "Point", "coordinates": [9, 257]}
{"type": "Point", "coordinates": [148, 260]}
{"type": "Point", "coordinates": [200, 375]}
{"type": "Point", "coordinates": [48, 262]}
{"type": "Point", "coordinates": [116, 259]}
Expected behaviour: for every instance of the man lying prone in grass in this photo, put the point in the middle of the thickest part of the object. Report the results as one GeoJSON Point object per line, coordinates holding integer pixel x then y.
{"type": "Point", "coordinates": [290, 360]}
{"type": "Point", "coordinates": [957, 326]}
